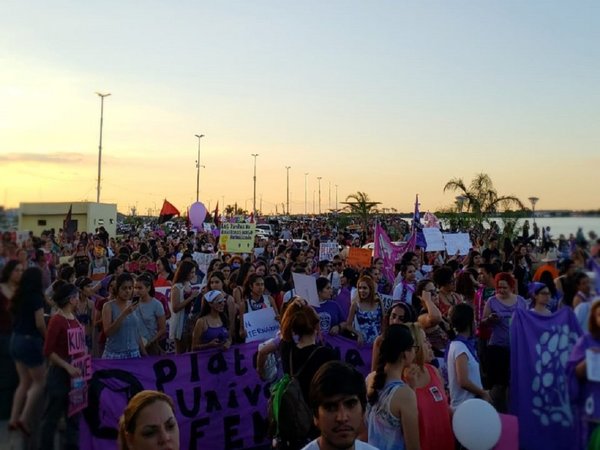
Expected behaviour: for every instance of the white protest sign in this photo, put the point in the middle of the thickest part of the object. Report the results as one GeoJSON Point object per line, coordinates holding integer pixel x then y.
{"type": "Point", "coordinates": [434, 239]}
{"type": "Point", "coordinates": [387, 300]}
{"type": "Point", "coordinates": [305, 286]}
{"type": "Point", "coordinates": [457, 242]}
{"type": "Point", "coordinates": [260, 325]}
{"type": "Point", "coordinates": [327, 250]}
{"type": "Point", "coordinates": [206, 227]}
{"type": "Point", "coordinates": [203, 260]}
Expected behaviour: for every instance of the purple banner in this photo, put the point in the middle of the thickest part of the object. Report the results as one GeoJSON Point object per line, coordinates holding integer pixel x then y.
{"type": "Point", "coordinates": [539, 349]}
{"type": "Point", "coordinates": [220, 401]}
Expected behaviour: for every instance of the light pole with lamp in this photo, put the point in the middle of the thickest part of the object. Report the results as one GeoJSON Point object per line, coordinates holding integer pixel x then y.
{"type": "Point", "coordinates": [287, 169]}
{"type": "Point", "coordinates": [199, 136]}
{"type": "Point", "coordinates": [533, 201]}
{"type": "Point", "coordinates": [254, 196]}
{"type": "Point", "coordinates": [305, 202]}
{"type": "Point", "coordinates": [319, 178]}
{"type": "Point", "coordinates": [100, 145]}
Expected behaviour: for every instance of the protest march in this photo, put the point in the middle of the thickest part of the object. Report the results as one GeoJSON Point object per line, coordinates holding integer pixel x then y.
{"type": "Point", "coordinates": [480, 338]}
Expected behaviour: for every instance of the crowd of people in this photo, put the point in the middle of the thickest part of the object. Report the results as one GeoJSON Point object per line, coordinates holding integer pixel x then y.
{"type": "Point", "coordinates": [440, 329]}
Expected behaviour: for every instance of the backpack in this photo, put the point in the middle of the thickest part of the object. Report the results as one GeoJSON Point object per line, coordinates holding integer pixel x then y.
{"type": "Point", "coordinates": [290, 417]}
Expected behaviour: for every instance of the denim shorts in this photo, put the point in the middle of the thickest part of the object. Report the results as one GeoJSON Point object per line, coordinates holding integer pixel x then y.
{"type": "Point", "coordinates": [27, 349]}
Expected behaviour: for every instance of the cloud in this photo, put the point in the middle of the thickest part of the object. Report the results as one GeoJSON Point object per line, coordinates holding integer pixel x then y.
{"type": "Point", "coordinates": [44, 158]}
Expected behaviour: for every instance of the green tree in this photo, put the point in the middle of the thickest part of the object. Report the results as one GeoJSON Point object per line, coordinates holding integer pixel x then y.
{"type": "Point", "coordinates": [360, 205]}
{"type": "Point", "coordinates": [480, 200]}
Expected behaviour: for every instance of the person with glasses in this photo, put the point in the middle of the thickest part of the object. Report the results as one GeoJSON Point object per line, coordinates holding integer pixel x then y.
{"type": "Point", "coordinates": [540, 296]}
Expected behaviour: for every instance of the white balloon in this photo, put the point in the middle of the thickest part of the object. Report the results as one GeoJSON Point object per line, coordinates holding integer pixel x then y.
{"type": "Point", "coordinates": [476, 425]}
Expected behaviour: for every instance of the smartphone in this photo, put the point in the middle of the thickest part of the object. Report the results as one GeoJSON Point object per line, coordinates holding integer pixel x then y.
{"type": "Point", "coordinates": [135, 300]}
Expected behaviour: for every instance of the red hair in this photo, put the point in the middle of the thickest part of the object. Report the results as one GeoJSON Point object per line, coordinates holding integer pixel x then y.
{"type": "Point", "coordinates": [505, 276]}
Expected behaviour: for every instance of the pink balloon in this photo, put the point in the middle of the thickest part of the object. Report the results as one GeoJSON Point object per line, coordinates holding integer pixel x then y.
{"type": "Point", "coordinates": [197, 214]}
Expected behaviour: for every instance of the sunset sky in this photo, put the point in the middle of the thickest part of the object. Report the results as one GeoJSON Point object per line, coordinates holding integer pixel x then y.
{"type": "Point", "coordinates": [392, 98]}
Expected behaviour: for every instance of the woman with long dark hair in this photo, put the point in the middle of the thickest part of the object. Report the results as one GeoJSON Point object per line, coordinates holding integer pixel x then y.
{"type": "Point", "coordinates": [26, 347]}
{"type": "Point", "coordinates": [182, 295]}
{"type": "Point", "coordinates": [123, 340]}
{"type": "Point", "coordinates": [211, 329]}
{"type": "Point", "coordinates": [9, 282]}
{"type": "Point", "coordinates": [60, 370]}
{"type": "Point", "coordinates": [392, 415]}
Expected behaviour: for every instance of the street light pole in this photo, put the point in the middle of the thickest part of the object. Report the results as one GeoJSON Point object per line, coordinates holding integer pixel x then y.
{"type": "Point", "coordinates": [336, 198]}
{"type": "Point", "coordinates": [533, 201]}
{"type": "Point", "coordinates": [287, 168]}
{"type": "Point", "coordinates": [305, 202]}
{"type": "Point", "coordinates": [100, 145]}
{"type": "Point", "coordinates": [254, 197]}
{"type": "Point", "coordinates": [199, 136]}
{"type": "Point", "coordinates": [319, 178]}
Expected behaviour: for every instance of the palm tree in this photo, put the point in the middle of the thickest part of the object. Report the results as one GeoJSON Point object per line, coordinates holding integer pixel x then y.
{"type": "Point", "coordinates": [360, 205]}
{"type": "Point", "coordinates": [481, 199]}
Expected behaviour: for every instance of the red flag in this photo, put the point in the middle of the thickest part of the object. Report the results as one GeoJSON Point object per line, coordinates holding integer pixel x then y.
{"type": "Point", "coordinates": [167, 212]}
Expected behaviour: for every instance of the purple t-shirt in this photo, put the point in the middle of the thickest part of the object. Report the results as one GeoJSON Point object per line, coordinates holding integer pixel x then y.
{"type": "Point", "coordinates": [343, 300]}
{"type": "Point", "coordinates": [505, 313]}
{"type": "Point", "coordinates": [330, 314]}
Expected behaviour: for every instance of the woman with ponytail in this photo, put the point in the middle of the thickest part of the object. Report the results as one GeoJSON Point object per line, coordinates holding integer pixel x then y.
{"type": "Point", "coordinates": [392, 416]}
{"type": "Point", "coordinates": [464, 378]}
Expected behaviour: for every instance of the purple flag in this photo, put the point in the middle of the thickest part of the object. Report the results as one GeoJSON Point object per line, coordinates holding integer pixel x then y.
{"type": "Point", "coordinates": [417, 227]}
{"type": "Point", "coordinates": [220, 402]}
{"type": "Point", "coordinates": [540, 347]}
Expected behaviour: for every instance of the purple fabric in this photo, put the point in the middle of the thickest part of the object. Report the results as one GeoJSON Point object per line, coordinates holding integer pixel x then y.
{"type": "Point", "coordinates": [584, 395]}
{"type": "Point", "coordinates": [343, 300]}
{"type": "Point", "coordinates": [330, 314]}
{"type": "Point", "coordinates": [505, 313]}
{"type": "Point", "coordinates": [384, 248]}
{"type": "Point", "coordinates": [540, 348]}
{"type": "Point", "coordinates": [220, 402]}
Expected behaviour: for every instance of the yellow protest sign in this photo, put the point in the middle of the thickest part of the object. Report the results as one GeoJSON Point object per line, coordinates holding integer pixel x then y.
{"type": "Point", "coordinates": [237, 237]}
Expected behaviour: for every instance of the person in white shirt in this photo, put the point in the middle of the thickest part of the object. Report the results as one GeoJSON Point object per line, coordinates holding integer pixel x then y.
{"type": "Point", "coordinates": [464, 378]}
{"type": "Point", "coordinates": [338, 396]}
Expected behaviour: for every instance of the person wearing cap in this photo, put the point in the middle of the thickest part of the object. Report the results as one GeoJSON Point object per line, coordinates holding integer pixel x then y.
{"type": "Point", "coordinates": [550, 260]}
{"type": "Point", "coordinates": [210, 330]}
{"type": "Point", "coordinates": [60, 370]}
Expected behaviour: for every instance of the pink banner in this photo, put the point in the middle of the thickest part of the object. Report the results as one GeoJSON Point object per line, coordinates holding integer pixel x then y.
{"type": "Point", "coordinates": [391, 253]}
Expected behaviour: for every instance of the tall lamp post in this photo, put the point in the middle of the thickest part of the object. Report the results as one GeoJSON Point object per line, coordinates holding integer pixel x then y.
{"type": "Point", "coordinates": [254, 197]}
{"type": "Point", "coordinates": [199, 136]}
{"type": "Point", "coordinates": [319, 178]}
{"type": "Point", "coordinates": [100, 145]}
{"type": "Point", "coordinates": [287, 169]}
{"type": "Point", "coordinates": [533, 201]}
{"type": "Point", "coordinates": [305, 202]}
{"type": "Point", "coordinates": [336, 198]}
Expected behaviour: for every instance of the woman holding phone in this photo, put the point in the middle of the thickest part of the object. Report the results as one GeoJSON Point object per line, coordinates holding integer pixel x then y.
{"type": "Point", "coordinates": [123, 340]}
